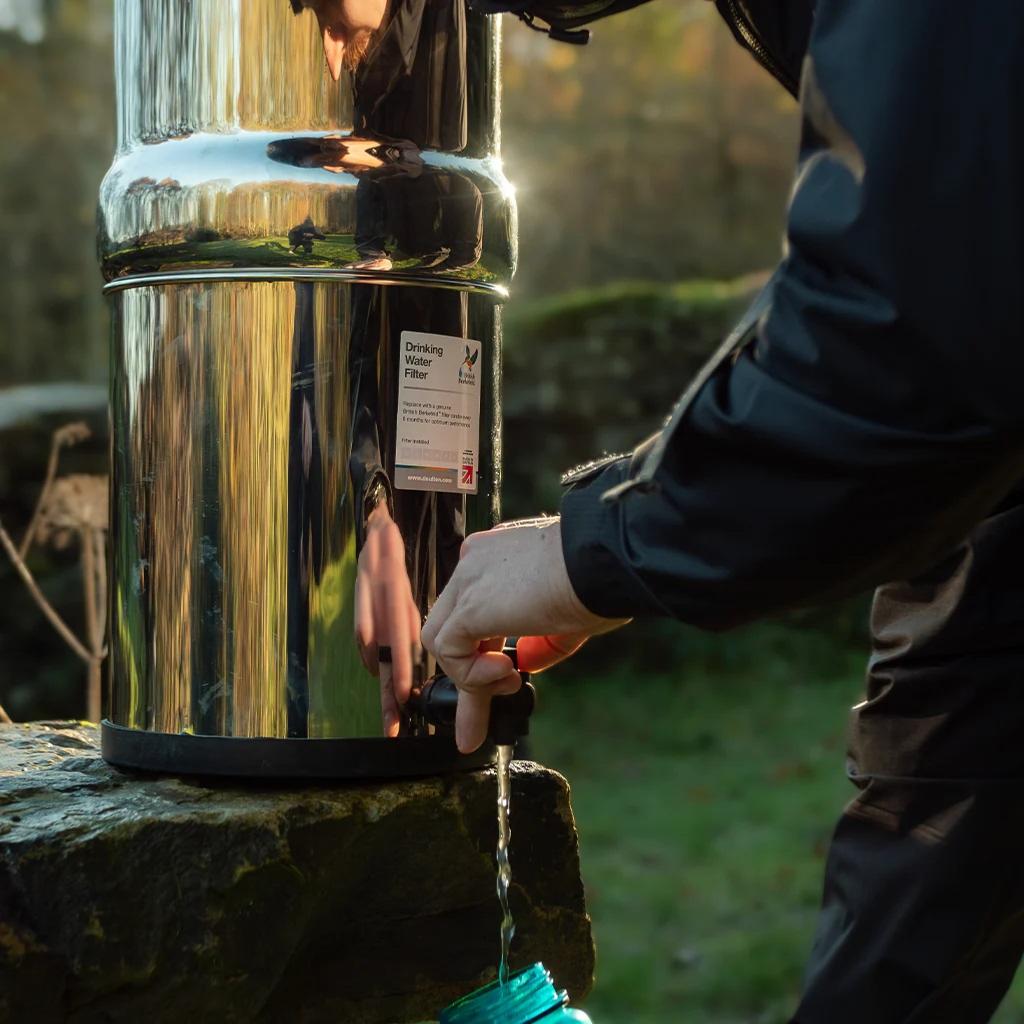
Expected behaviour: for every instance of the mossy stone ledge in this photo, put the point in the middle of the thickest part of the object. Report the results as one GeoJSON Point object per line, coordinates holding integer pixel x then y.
{"type": "Point", "coordinates": [126, 897]}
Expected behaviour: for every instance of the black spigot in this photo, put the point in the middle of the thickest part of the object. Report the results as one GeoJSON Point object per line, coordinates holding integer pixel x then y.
{"type": "Point", "coordinates": [510, 714]}
{"type": "Point", "coordinates": [437, 700]}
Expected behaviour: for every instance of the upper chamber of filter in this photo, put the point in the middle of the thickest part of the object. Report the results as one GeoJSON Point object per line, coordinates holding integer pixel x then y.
{"type": "Point", "coordinates": [238, 155]}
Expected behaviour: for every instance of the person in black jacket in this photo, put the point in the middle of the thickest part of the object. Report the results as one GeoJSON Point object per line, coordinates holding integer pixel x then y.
{"type": "Point", "coordinates": [863, 428]}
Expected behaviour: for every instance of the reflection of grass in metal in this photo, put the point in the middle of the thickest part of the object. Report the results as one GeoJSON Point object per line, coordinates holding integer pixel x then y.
{"type": "Point", "coordinates": [338, 680]}
{"type": "Point", "coordinates": [705, 800]}
{"type": "Point", "coordinates": [250, 396]}
{"type": "Point", "coordinates": [334, 253]}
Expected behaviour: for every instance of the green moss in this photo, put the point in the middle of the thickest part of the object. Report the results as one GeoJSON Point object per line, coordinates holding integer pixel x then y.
{"type": "Point", "coordinates": [598, 369]}
{"type": "Point", "coordinates": [572, 310]}
{"type": "Point", "coordinates": [15, 944]}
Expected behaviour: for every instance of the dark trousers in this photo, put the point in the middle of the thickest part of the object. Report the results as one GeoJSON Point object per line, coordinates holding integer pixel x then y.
{"type": "Point", "coordinates": [923, 912]}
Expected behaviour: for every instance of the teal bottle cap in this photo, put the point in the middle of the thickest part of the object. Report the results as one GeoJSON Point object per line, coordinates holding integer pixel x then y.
{"type": "Point", "coordinates": [528, 995]}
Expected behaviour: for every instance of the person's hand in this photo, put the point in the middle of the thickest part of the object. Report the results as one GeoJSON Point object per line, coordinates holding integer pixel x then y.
{"type": "Point", "coordinates": [510, 581]}
{"type": "Point", "coordinates": [386, 614]}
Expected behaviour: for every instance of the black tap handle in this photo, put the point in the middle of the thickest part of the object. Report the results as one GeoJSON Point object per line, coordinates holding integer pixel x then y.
{"type": "Point", "coordinates": [437, 701]}
{"type": "Point", "coordinates": [510, 714]}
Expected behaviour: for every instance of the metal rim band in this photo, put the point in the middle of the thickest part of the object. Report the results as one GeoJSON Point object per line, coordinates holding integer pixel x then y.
{"type": "Point", "coordinates": [497, 291]}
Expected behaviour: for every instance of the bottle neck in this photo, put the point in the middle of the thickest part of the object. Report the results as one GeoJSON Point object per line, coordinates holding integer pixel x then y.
{"type": "Point", "coordinates": [529, 996]}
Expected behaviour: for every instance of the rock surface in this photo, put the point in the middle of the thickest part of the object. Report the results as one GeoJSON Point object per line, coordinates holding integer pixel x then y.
{"type": "Point", "coordinates": [133, 898]}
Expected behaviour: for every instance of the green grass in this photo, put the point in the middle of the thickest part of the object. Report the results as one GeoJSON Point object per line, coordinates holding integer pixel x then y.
{"type": "Point", "coordinates": [705, 801]}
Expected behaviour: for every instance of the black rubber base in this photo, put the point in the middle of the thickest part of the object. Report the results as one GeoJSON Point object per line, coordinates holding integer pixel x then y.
{"type": "Point", "coordinates": [364, 758]}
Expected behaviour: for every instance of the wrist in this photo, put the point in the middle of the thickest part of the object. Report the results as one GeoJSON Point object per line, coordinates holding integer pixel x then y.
{"type": "Point", "coordinates": [568, 602]}
{"type": "Point", "coordinates": [377, 500]}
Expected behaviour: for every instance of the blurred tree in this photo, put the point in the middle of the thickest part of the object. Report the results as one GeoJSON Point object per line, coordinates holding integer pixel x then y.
{"type": "Point", "coordinates": [57, 117]}
{"type": "Point", "coordinates": [660, 151]}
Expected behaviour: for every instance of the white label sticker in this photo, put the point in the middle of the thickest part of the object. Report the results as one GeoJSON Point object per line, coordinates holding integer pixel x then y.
{"type": "Point", "coordinates": [437, 443]}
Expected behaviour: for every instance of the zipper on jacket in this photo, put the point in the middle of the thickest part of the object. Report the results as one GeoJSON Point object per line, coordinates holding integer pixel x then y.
{"type": "Point", "coordinates": [747, 34]}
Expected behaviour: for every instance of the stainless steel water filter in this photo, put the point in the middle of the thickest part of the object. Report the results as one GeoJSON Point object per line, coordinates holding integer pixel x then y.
{"type": "Point", "coordinates": [269, 237]}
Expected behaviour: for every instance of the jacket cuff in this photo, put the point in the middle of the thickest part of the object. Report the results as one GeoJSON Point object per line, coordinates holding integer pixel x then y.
{"type": "Point", "coordinates": [595, 558]}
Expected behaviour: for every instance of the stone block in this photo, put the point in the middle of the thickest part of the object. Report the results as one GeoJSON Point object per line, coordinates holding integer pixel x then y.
{"type": "Point", "coordinates": [134, 898]}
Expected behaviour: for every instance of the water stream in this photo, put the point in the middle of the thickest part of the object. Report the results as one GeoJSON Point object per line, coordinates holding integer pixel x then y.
{"type": "Point", "coordinates": [508, 927]}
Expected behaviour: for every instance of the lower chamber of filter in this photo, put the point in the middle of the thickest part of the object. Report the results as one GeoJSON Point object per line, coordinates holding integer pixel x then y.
{"type": "Point", "coordinates": [270, 758]}
{"type": "Point", "coordinates": [247, 418]}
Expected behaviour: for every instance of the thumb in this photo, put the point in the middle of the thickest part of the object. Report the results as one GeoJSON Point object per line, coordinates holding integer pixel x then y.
{"type": "Point", "coordinates": [473, 714]}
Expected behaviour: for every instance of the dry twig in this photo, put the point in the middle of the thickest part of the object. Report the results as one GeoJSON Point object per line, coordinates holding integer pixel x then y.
{"type": "Point", "coordinates": [69, 434]}
{"type": "Point", "coordinates": [68, 507]}
{"type": "Point", "coordinates": [37, 595]}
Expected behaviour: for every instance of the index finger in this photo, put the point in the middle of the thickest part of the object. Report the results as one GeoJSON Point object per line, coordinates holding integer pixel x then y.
{"type": "Point", "coordinates": [395, 600]}
{"type": "Point", "coordinates": [467, 660]}
{"type": "Point", "coordinates": [537, 653]}
{"type": "Point", "coordinates": [438, 614]}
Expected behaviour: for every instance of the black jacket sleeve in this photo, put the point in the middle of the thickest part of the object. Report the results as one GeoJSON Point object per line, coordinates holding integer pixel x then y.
{"type": "Point", "coordinates": [877, 412]}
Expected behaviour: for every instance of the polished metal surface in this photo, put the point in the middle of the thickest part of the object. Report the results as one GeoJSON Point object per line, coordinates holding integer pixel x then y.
{"type": "Point", "coordinates": [243, 417]}
{"type": "Point", "coordinates": [294, 274]}
{"type": "Point", "coordinates": [266, 235]}
{"type": "Point", "coordinates": [236, 149]}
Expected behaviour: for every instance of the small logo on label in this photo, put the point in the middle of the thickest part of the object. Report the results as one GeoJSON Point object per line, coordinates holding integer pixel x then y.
{"type": "Point", "coordinates": [467, 476]}
{"type": "Point", "coordinates": [466, 374]}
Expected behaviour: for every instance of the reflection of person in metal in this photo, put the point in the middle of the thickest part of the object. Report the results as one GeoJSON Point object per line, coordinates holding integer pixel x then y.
{"type": "Point", "coordinates": [427, 213]}
{"type": "Point", "coordinates": [348, 153]}
{"type": "Point", "coordinates": [412, 84]}
{"type": "Point", "coordinates": [347, 27]}
{"type": "Point", "coordinates": [408, 62]}
{"type": "Point", "coordinates": [386, 612]}
{"type": "Point", "coordinates": [408, 541]}
{"type": "Point", "coordinates": [435, 217]}
{"type": "Point", "coordinates": [373, 161]}
{"type": "Point", "coordinates": [359, 154]}
{"type": "Point", "coordinates": [303, 235]}
{"type": "Point", "coordinates": [403, 205]}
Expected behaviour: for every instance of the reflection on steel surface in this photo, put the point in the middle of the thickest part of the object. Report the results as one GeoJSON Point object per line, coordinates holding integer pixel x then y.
{"type": "Point", "coordinates": [266, 234]}
{"type": "Point", "coordinates": [245, 416]}
{"type": "Point", "coordinates": [232, 136]}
